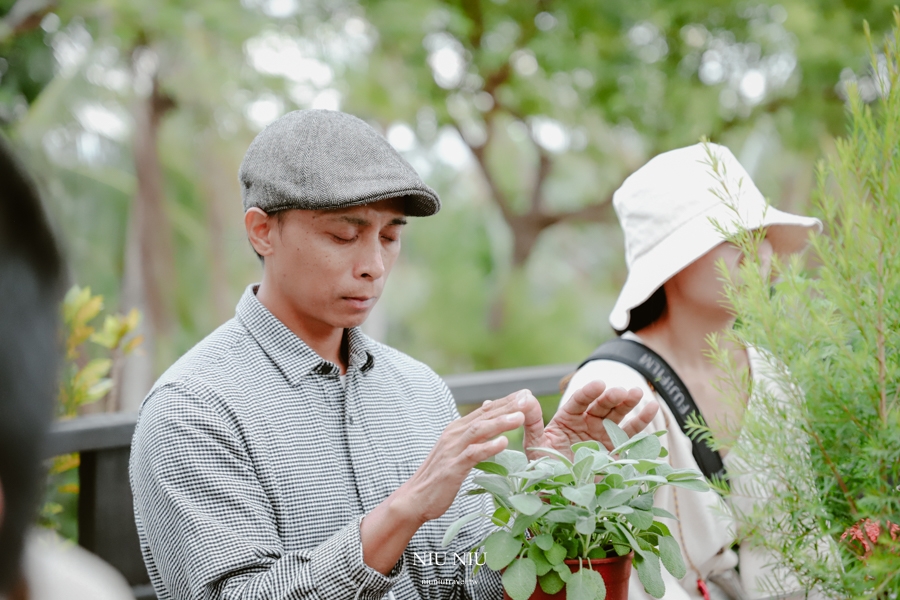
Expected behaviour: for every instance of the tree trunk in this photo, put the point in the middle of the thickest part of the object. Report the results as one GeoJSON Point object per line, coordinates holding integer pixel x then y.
{"type": "Point", "coordinates": [216, 192]}
{"type": "Point", "coordinates": [149, 259]}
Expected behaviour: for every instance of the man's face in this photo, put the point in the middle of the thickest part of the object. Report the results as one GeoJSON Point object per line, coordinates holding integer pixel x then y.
{"type": "Point", "coordinates": [329, 266]}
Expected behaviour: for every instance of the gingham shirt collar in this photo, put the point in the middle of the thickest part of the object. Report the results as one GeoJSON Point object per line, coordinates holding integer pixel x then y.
{"type": "Point", "coordinates": [293, 357]}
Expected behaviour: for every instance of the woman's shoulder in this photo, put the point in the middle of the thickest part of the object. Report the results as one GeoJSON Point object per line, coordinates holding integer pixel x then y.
{"type": "Point", "coordinates": [611, 372]}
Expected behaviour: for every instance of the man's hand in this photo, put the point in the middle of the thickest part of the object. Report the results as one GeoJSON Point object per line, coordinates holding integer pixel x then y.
{"type": "Point", "coordinates": [431, 490]}
{"type": "Point", "coordinates": [581, 418]}
{"type": "Point", "coordinates": [464, 443]}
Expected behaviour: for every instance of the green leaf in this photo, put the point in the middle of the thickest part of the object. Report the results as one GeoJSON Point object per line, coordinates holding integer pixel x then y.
{"type": "Point", "coordinates": [551, 582]}
{"type": "Point", "coordinates": [585, 525]}
{"type": "Point", "coordinates": [562, 457]}
{"type": "Point", "coordinates": [626, 535]}
{"type": "Point", "coordinates": [93, 372]}
{"type": "Point", "coordinates": [520, 579]}
{"type": "Point", "coordinates": [500, 548]}
{"type": "Point", "coordinates": [650, 478]}
{"type": "Point", "coordinates": [562, 515]}
{"type": "Point", "coordinates": [511, 460]}
{"type": "Point", "coordinates": [615, 433]}
{"type": "Point", "coordinates": [650, 574]}
{"type": "Point", "coordinates": [641, 519]}
{"type": "Point", "coordinates": [98, 390]}
{"type": "Point", "coordinates": [565, 573]}
{"type": "Point", "coordinates": [696, 485]}
{"type": "Point", "coordinates": [630, 443]}
{"type": "Point", "coordinates": [543, 541]}
{"type": "Point", "coordinates": [660, 528]}
{"type": "Point", "coordinates": [501, 515]}
{"type": "Point", "coordinates": [490, 466]}
{"type": "Point", "coordinates": [495, 484]}
{"type": "Point", "coordinates": [582, 453]}
{"type": "Point", "coordinates": [540, 561]}
{"type": "Point", "coordinates": [526, 503]}
{"type": "Point", "coordinates": [679, 474]}
{"type": "Point", "coordinates": [670, 554]}
{"type": "Point", "coordinates": [643, 502]}
{"type": "Point", "coordinates": [662, 513]}
{"type": "Point", "coordinates": [556, 555]}
{"type": "Point", "coordinates": [453, 530]}
{"type": "Point", "coordinates": [614, 480]}
{"type": "Point", "coordinates": [524, 521]}
{"type": "Point", "coordinates": [592, 444]}
{"type": "Point", "coordinates": [647, 448]}
{"type": "Point", "coordinates": [582, 495]}
{"type": "Point", "coordinates": [615, 497]}
{"type": "Point", "coordinates": [621, 510]}
{"type": "Point", "coordinates": [586, 584]}
{"type": "Point", "coordinates": [600, 461]}
{"type": "Point", "coordinates": [583, 467]}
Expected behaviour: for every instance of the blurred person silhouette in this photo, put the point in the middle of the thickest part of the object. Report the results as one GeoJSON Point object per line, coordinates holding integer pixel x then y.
{"type": "Point", "coordinates": [33, 565]}
{"type": "Point", "coordinates": [671, 302]}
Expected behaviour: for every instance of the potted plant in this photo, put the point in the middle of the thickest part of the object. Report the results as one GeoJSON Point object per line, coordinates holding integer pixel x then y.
{"type": "Point", "coordinates": [571, 526]}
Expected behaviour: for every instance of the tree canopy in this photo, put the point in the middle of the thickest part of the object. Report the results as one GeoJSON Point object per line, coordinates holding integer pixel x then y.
{"type": "Point", "coordinates": [524, 115]}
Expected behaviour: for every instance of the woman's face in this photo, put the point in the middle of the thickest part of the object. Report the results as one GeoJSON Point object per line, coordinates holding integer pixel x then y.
{"type": "Point", "coordinates": [700, 282]}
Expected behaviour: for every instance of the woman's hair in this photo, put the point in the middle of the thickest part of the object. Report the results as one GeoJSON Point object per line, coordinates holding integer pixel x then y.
{"type": "Point", "coordinates": [647, 312]}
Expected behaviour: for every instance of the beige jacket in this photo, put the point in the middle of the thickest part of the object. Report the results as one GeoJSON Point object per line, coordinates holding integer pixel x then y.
{"type": "Point", "coordinates": [706, 529]}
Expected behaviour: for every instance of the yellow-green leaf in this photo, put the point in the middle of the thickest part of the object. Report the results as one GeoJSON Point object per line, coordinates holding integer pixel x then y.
{"type": "Point", "coordinates": [98, 390]}
{"type": "Point", "coordinates": [93, 372]}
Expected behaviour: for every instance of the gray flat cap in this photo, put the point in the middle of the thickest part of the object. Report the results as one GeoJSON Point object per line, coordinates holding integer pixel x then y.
{"type": "Point", "coordinates": [324, 159]}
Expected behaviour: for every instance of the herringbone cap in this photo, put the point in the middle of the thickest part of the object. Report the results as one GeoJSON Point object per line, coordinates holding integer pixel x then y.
{"type": "Point", "coordinates": [323, 159]}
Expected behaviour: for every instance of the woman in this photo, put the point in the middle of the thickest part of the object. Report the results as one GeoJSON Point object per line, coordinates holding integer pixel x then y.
{"type": "Point", "coordinates": [672, 211]}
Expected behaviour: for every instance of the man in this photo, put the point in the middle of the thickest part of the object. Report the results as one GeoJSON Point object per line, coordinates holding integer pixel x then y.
{"type": "Point", "coordinates": [288, 455]}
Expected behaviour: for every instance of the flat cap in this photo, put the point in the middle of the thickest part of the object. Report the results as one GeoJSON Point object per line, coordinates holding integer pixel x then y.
{"type": "Point", "coordinates": [324, 159]}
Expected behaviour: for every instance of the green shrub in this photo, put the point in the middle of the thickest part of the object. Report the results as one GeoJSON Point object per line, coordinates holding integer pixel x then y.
{"type": "Point", "coordinates": [824, 444]}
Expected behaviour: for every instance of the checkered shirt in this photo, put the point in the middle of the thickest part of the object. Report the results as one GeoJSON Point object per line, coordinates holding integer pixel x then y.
{"type": "Point", "coordinates": [252, 466]}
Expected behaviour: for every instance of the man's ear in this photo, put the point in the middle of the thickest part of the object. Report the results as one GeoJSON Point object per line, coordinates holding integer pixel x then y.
{"type": "Point", "coordinates": [260, 228]}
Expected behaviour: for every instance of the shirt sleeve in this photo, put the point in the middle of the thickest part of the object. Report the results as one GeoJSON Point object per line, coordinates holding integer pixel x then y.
{"type": "Point", "coordinates": [208, 526]}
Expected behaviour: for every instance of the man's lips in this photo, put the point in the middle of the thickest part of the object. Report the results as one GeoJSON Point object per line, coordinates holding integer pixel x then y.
{"type": "Point", "coordinates": [360, 302]}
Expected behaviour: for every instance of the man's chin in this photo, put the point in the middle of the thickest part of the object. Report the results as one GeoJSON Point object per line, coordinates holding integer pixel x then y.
{"type": "Point", "coordinates": [354, 320]}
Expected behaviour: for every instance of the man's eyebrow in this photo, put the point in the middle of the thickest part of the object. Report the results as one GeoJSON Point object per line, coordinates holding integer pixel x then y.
{"type": "Point", "coordinates": [360, 222]}
{"type": "Point", "coordinates": [353, 220]}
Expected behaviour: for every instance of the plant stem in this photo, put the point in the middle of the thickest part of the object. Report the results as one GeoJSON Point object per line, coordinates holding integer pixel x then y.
{"type": "Point", "coordinates": [880, 342]}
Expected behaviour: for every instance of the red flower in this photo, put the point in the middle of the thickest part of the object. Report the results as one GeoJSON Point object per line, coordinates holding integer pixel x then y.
{"type": "Point", "coordinates": [864, 535]}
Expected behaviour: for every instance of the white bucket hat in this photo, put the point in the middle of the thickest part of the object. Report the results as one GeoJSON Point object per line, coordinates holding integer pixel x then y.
{"type": "Point", "coordinates": [667, 209]}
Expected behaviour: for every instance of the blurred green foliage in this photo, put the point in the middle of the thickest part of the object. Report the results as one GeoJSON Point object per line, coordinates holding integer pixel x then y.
{"type": "Point", "coordinates": [86, 379]}
{"type": "Point", "coordinates": [524, 115]}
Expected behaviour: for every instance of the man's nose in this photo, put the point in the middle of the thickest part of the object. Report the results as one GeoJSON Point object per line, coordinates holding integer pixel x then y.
{"type": "Point", "coordinates": [370, 264]}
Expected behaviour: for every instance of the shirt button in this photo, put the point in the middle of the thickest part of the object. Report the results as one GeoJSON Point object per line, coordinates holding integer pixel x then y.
{"type": "Point", "coordinates": [350, 419]}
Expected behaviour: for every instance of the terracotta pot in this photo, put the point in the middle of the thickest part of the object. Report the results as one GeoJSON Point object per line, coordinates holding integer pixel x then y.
{"type": "Point", "coordinates": [615, 572]}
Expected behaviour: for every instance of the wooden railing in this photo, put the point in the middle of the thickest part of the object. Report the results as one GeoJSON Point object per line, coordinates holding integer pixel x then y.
{"type": "Point", "coordinates": [105, 516]}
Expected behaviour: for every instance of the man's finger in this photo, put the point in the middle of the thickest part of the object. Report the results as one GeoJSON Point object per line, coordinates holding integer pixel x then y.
{"type": "Point", "coordinates": [582, 398]}
{"type": "Point", "coordinates": [637, 423]}
{"type": "Point", "coordinates": [534, 420]}
{"type": "Point", "coordinates": [484, 429]}
{"type": "Point", "coordinates": [490, 408]}
{"type": "Point", "coordinates": [615, 403]}
{"type": "Point", "coordinates": [477, 453]}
